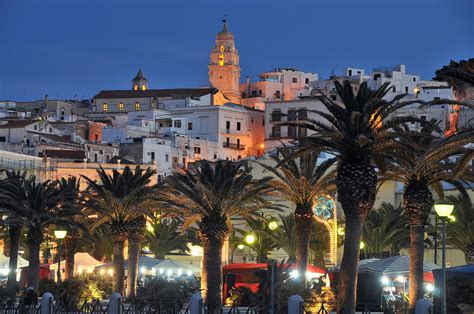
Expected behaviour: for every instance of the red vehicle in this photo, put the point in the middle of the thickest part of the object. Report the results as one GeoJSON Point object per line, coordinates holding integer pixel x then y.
{"type": "Point", "coordinates": [243, 275]}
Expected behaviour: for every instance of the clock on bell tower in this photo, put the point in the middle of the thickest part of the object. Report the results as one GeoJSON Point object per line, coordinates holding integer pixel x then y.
{"type": "Point", "coordinates": [224, 69]}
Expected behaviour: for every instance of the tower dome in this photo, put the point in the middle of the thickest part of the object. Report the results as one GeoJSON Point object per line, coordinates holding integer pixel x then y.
{"type": "Point", "coordinates": [139, 82]}
{"type": "Point", "coordinates": [224, 33]}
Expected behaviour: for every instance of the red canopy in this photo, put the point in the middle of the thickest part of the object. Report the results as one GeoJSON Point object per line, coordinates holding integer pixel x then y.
{"type": "Point", "coordinates": [236, 267]}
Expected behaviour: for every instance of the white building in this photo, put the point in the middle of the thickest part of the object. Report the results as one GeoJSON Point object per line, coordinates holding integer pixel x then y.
{"type": "Point", "coordinates": [279, 84]}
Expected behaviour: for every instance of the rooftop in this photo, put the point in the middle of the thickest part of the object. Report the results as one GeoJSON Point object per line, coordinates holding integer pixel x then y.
{"type": "Point", "coordinates": [175, 93]}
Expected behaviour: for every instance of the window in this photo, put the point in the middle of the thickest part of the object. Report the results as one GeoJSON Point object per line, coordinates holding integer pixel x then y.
{"type": "Point", "coordinates": [238, 142]}
{"type": "Point", "coordinates": [137, 106]}
{"type": "Point", "coordinates": [167, 157]}
{"type": "Point", "coordinates": [294, 80]}
{"type": "Point", "coordinates": [95, 157]}
{"type": "Point", "coordinates": [221, 59]}
{"type": "Point", "coordinates": [376, 76]}
{"type": "Point", "coordinates": [239, 157]}
{"type": "Point", "coordinates": [263, 122]}
{"type": "Point", "coordinates": [221, 49]}
{"type": "Point", "coordinates": [215, 156]}
{"type": "Point", "coordinates": [227, 140]}
{"type": "Point", "coordinates": [276, 131]}
{"type": "Point", "coordinates": [414, 79]}
{"type": "Point", "coordinates": [143, 87]}
{"type": "Point", "coordinates": [406, 89]}
{"type": "Point", "coordinates": [121, 106]}
{"type": "Point", "coordinates": [394, 89]}
{"type": "Point", "coordinates": [135, 87]}
{"type": "Point", "coordinates": [306, 81]}
{"type": "Point", "coordinates": [96, 137]}
{"type": "Point", "coordinates": [276, 115]}
{"type": "Point", "coordinates": [238, 126]}
{"type": "Point", "coordinates": [350, 72]}
{"type": "Point", "coordinates": [50, 130]}
{"type": "Point", "coordinates": [227, 125]}
{"type": "Point", "coordinates": [177, 123]}
{"type": "Point", "coordinates": [35, 127]}
{"type": "Point", "coordinates": [190, 126]}
{"type": "Point", "coordinates": [302, 114]}
{"type": "Point", "coordinates": [423, 118]}
{"type": "Point", "coordinates": [292, 115]}
{"type": "Point", "coordinates": [292, 131]}
{"type": "Point", "coordinates": [197, 150]}
{"type": "Point", "coordinates": [105, 106]}
{"type": "Point", "coordinates": [277, 94]}
{"type": "Point", "coordinates": [3, 138]}
{"type": "Point", "coordinates": [152, 156]}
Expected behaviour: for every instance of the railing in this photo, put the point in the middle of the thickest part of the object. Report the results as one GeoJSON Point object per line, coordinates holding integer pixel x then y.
{"type": "Point", "coordinates": [234, 146]}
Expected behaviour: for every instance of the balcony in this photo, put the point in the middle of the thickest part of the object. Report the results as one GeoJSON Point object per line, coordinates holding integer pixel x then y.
{"type": "Point", "coordinates": [233, 146]}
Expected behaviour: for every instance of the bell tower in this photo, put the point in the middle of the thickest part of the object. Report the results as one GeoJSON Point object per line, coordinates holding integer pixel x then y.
{"type": "Point", "coordinates": [224, 69]}
{"type": "Point", "coordinates": [139, 82]}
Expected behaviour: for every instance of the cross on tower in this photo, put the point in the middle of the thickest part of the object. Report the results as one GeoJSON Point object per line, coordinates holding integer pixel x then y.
{"type": "Point", "coordinates": [225, 18]}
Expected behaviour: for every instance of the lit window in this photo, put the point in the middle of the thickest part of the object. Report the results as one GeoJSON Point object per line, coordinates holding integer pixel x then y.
{"type": "Point", "coordinates": [221, 49]}
{"type": "Point", "coordinates": [221, 59]}
{"type": "Point", "coordinates": [105, 106]}
{"type": "Point", "coordinates": [137, 106]}
{"type": "Point", "coordinates": [121, 107]}
{"type": "Point", "coordinates": [143, 87]}
{"type": "Point", "coordinates": [135, 87]}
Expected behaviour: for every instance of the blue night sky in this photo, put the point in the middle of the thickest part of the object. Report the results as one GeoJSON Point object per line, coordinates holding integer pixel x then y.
{"type": "Point", "coordinates": [68, 47]}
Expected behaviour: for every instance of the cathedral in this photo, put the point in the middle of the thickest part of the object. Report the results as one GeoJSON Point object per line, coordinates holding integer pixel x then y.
{"type": "Point", "coordinates": [224, 69]}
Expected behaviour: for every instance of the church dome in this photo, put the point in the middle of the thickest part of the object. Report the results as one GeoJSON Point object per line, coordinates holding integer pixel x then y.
{"type": "Point", "coordinates": [224, 33]}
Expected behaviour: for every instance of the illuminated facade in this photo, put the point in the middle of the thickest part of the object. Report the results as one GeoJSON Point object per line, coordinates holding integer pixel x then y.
{"type": "Point", "coordinates": [224, 69]}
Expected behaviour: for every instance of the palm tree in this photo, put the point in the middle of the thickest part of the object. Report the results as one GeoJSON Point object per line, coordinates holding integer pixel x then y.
{"type": "Point", "coordinates": [209, 194]}
{"type": "Point", "coordinates": [384, 229]}
{"type": "Point", "coordinates": [37, 205]}
{"type": "Point", "coordinates": [357, 131]}
{"type": "Point", "coordinates": [263, 243]}
{"type": "Point", "coordinates": [163, 237]}
{"type": "Point", "coordinates": [72, 242]}
{"type": "Point", "coordinates": [14, 230]}
{"type": "Point", "coordinates": [121, 200]}
{"type": "Point", "coordinates": [100, 245]}
{"type": "Point", "coordinates": [460, 75]}
{"type": "Point", "coordinates": [300, 182]}
{"type": "Point", "coordinates": [426, 165]}
{"type": "Point", "coordinates": [460, 233]}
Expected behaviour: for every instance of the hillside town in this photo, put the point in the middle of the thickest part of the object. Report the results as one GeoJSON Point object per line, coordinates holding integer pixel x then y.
{"type": "Point", "coordinates": [256, 123]}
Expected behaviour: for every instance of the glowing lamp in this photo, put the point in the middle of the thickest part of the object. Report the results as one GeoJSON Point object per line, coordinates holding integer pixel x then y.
{"type": "Point", "coordinates": [273, 225]}
{"type": "Point", "coordinates": [452, 218]}
{"type": "Point", "coordinates": [240, 246]}
{"type": "Point", "coordinates": [362, 245]}
{"type": "Point", "coordinates": [385, 280]}
{"type": "Point", "coordinates": [429, 287]}
{"type": "Point", "coordinates": [60, 234]}
{"type": "Point", "coordinates": [444, 209]}
{"type": "Point", "coordinates": [250, 238]}
{"type": "Point", "coordinates": [341, 231]}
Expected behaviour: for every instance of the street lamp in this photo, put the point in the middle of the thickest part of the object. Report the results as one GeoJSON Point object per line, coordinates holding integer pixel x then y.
{"type": "Point", "coordinates": [59, 234]}
{"type": "Point", "coordinates": [444, 210]}
{"type": "Point", "coordinates": [250, 239]}
{"type": "Point", "coordinates": [273, 225]}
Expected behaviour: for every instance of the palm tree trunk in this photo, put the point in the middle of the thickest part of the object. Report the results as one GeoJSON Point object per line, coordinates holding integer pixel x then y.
{"type": "Point", "coordinates": [415, 282]}
{"type": "Point", "coordinates": [134, 246]}
{"type": "Point", "coordinates": [304, 227]}
{"type": "Point", "coordinates": [211, 272]}
{"type": "Point", "coordinates": [70, 249]}
{"type": "Point", "coordinates": [356, 183]}
{"type": "Point", "coordinates": [349, 266]}
{"type": "Point", "coordinates": [15, 236]}
{"type": "Point", "coordinates": [34, 264]}
{"type": "Point", "coordinates": [119, 268]}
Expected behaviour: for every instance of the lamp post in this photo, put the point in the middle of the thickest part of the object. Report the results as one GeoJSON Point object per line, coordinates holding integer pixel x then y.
{"type": "Point", "coordinates": [444, 210]}
{"type": "Point", "coordinates": [59, 234]}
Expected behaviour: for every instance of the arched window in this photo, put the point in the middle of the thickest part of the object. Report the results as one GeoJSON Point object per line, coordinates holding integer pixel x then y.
{"type": "Point", "coordinates": [121, 106]}
{"type": "Point", "coordinates": [135, 87]}
{"type": "Point", "coordinates": [221, 59]}
{"type": "Point", "coordinates": [143, 87]}
{"type": "Point", "coordinates": [221, 48]}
